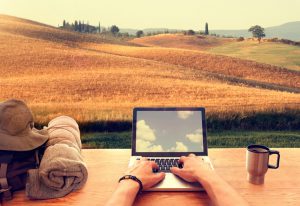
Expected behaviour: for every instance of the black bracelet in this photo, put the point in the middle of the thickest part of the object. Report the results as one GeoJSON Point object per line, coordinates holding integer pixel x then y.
{"type": "Point", "coordinates": [134, 178]}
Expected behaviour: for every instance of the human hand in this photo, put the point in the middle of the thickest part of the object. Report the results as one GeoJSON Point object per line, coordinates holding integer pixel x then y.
{"type": "Point", "coordinates": [193, 168]}
{"type": "Point", "coordinates": [142, 169]}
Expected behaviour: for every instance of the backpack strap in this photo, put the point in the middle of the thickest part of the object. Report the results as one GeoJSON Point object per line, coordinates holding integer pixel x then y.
{"type": "Point", "coordinates": [5, 188]}
{"type": "Point", "coordinates": [37, 158]}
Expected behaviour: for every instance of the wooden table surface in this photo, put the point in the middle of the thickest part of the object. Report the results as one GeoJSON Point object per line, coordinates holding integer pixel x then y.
{"type": "Point", "coordinates": [282, 186]}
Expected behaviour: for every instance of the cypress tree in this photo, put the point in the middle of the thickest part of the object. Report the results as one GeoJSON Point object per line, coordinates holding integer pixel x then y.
{"type": "Point", "coordinates": [76, 25]}
{"type": "Point", "coordinates": [206, 29]}
{"type": "Point", "coordinates": [79, 26]}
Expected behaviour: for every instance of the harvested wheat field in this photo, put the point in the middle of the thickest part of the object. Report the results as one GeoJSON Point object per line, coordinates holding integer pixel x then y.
{"type": "Point", "coordinates": [268, 51]}
{"type": "Point", "coordinates": [194, 42]}
{"type": "Point", "coordinates": [94, 78]}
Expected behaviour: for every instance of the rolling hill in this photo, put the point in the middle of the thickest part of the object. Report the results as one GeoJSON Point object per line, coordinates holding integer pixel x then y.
{"type": "Point", "coordinates": [290, 30]}
{"type": "Point", "coordinates": [196, 42]}
{"type": "Point", "coordinates": [274, 53]}
{"type": "Point", "coordinates": [96, 78]}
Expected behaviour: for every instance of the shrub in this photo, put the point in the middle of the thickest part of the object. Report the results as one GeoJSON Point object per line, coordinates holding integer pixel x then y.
{"type": "Point", "coordinates": [240, 38]}
{"type": "Point", "coordinates": [139, 33]}
{"type": "Point", "coordinates": [189, 32]}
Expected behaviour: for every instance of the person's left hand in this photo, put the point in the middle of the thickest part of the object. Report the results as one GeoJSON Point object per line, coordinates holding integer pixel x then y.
{"type": "Point", "coordinates": [143, 170]}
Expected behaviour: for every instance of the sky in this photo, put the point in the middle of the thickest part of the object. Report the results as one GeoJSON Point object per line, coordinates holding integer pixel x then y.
{"type": "Point", "coordinates": [172, 14]}
{"type": "Point", "coordinates": [169, 131]}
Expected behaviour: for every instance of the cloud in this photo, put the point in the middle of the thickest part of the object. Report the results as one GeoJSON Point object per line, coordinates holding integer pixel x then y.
{"type": "Point", "coordinates": [147, 146]}
{"type": "Point", "coordinates": [184, 114]}
{"type": "Point", "coordinates": [144, 131]}
{"type": "Point", "coordinates": [196, 137]}
{"type": "Point", "coordinates": [180, 147]}
{"type": "Point", "coordinates": [145, 137]}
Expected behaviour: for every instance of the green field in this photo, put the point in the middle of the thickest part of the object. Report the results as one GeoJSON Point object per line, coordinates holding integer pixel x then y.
{"type": "Point", "coordinates": [215, 139]}
{"type": "Point", "coordinates": [266, 52]}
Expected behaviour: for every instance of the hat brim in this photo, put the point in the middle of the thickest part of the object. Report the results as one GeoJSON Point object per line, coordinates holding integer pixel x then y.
{"type": "Point", "coordinates": [32, 140]}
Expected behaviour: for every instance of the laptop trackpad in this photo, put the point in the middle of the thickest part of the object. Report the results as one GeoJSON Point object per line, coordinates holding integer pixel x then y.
{"type": "Point", "coordinates": [175, 183]}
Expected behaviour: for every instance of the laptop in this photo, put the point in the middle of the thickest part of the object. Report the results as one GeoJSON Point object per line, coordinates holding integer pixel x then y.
{"type": "Point", "coordinates": [164, 135]}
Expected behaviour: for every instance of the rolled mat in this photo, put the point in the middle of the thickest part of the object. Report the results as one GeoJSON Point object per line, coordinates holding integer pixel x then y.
{"type": "Point", "coordinates": [62, 169]}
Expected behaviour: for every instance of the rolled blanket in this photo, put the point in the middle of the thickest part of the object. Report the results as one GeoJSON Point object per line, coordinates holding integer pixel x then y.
{"type": "Point", "coordinates": [62, 169]}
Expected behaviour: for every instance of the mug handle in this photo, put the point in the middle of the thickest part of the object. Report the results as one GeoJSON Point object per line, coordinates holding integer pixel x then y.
{"type": "Point", "coordinates": [278, 158]}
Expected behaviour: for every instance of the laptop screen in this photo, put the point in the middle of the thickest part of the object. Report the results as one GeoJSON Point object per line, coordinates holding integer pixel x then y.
{"type": "Point", "coordinates": [169, 131]}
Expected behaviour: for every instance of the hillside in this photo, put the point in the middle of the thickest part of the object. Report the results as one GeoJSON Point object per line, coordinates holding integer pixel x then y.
{"type": "Point", "coordinates": [91, 78]}
{"type": "Point", "coordinates": [196, 42]}
{"type": "Point", "coordinates": [290, 30]}
{"type": "Point", "coordinates": [35, 30]}
{"type": "Point", "coordinates": [273, 53]}
{"type": "Point", "coordinates": [226, 68]}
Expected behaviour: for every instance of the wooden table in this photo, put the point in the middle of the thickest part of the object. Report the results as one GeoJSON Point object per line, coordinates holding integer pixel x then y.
{"type": "Point", "coordinates": [282, 186]}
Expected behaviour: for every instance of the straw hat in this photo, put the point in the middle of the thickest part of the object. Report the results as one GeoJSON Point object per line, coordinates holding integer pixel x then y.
{"type": "Point", "coordinates": [16, 127]}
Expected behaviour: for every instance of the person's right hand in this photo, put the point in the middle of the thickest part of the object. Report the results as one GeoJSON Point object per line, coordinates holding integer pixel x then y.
{"type": "Point", "coordinates": [142, 169]}
{"type": "Point", "coordinates": [193, 168]}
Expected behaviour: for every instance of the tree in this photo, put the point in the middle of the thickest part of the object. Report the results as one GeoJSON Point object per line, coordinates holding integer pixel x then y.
{"type": "Point", "coordinates": [114, 29]}
{"type": "Point", "coordinates": [79, 26]}
{"type": "Point", "coordinates": [206, 29]}
{"type": "Point", "coordinates": [76, 26]}
{"type": "Point", "coordinates": [99, 28]}
{"type": "Point", "coordinates": [64, 23]}
{"type": "Point", "coordinates": [139, 33]}
{"type": "Point", "coordinates": [257, 32]}
{"type": "Point", "coordinates": [190, 32]}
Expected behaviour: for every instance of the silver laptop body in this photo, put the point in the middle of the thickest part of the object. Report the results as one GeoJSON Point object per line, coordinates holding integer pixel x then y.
{"type": "Point", "coordinates": [166, 134]}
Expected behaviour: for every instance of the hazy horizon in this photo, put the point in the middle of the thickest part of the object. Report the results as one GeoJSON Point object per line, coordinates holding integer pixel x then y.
{"type": "Point", "coordinates": [141, 14]}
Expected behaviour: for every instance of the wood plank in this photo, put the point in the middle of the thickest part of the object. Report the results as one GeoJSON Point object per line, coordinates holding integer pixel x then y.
{"type": "Point", "coordinates": [282, 186]}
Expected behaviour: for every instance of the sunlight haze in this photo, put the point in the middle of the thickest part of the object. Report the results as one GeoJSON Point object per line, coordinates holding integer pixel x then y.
{"type": "Point", "coordinates": [140, 14]}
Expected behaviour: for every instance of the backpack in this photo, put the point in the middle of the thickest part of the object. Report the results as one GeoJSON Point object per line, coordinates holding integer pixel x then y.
{"type": "Point", "coordinates": [20, 146]}
{"type": "Point", "coordinates": [13, 169]}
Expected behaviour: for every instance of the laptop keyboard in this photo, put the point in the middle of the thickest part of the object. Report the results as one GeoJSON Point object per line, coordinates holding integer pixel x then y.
{"type": "Point", "coordinates": [165, 164]}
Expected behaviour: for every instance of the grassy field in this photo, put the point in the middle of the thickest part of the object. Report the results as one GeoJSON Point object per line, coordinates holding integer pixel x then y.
{"type": "Point", "coordinates": [267, 52]}
{"type": "Point", "coordinates": [215, 139]}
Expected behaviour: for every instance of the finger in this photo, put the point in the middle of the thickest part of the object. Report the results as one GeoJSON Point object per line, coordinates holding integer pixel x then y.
{"type": "Point", "coordinates": [192, 155]}
{"type": "Point", "coordinates": [176, 171]}
{"type": "Point", "coordinates": [159, 176]}
{"type": "Point", "coordinates": [182, 159]}
{"type": "Point", "coordinates": [154, 165]}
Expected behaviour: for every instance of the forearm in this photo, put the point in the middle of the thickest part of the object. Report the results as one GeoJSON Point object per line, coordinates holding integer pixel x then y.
{"type": "Point", "coordinates": [220, 192]}
{"type": "Point", "coordinates": [124, 194]}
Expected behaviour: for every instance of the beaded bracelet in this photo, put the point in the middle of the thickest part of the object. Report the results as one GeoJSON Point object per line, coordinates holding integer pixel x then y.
{"type": "Point", "coordinates": [134, 178]}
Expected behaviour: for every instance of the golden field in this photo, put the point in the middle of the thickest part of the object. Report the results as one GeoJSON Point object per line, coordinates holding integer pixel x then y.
{"type": "Point", "coordinates": [268, 51]}
{"type": "Point", "coordinates": [93, 78]}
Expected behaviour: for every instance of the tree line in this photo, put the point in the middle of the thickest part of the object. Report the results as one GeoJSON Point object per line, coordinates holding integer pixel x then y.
{"type": "Point", "coordinates": [80, 26]}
